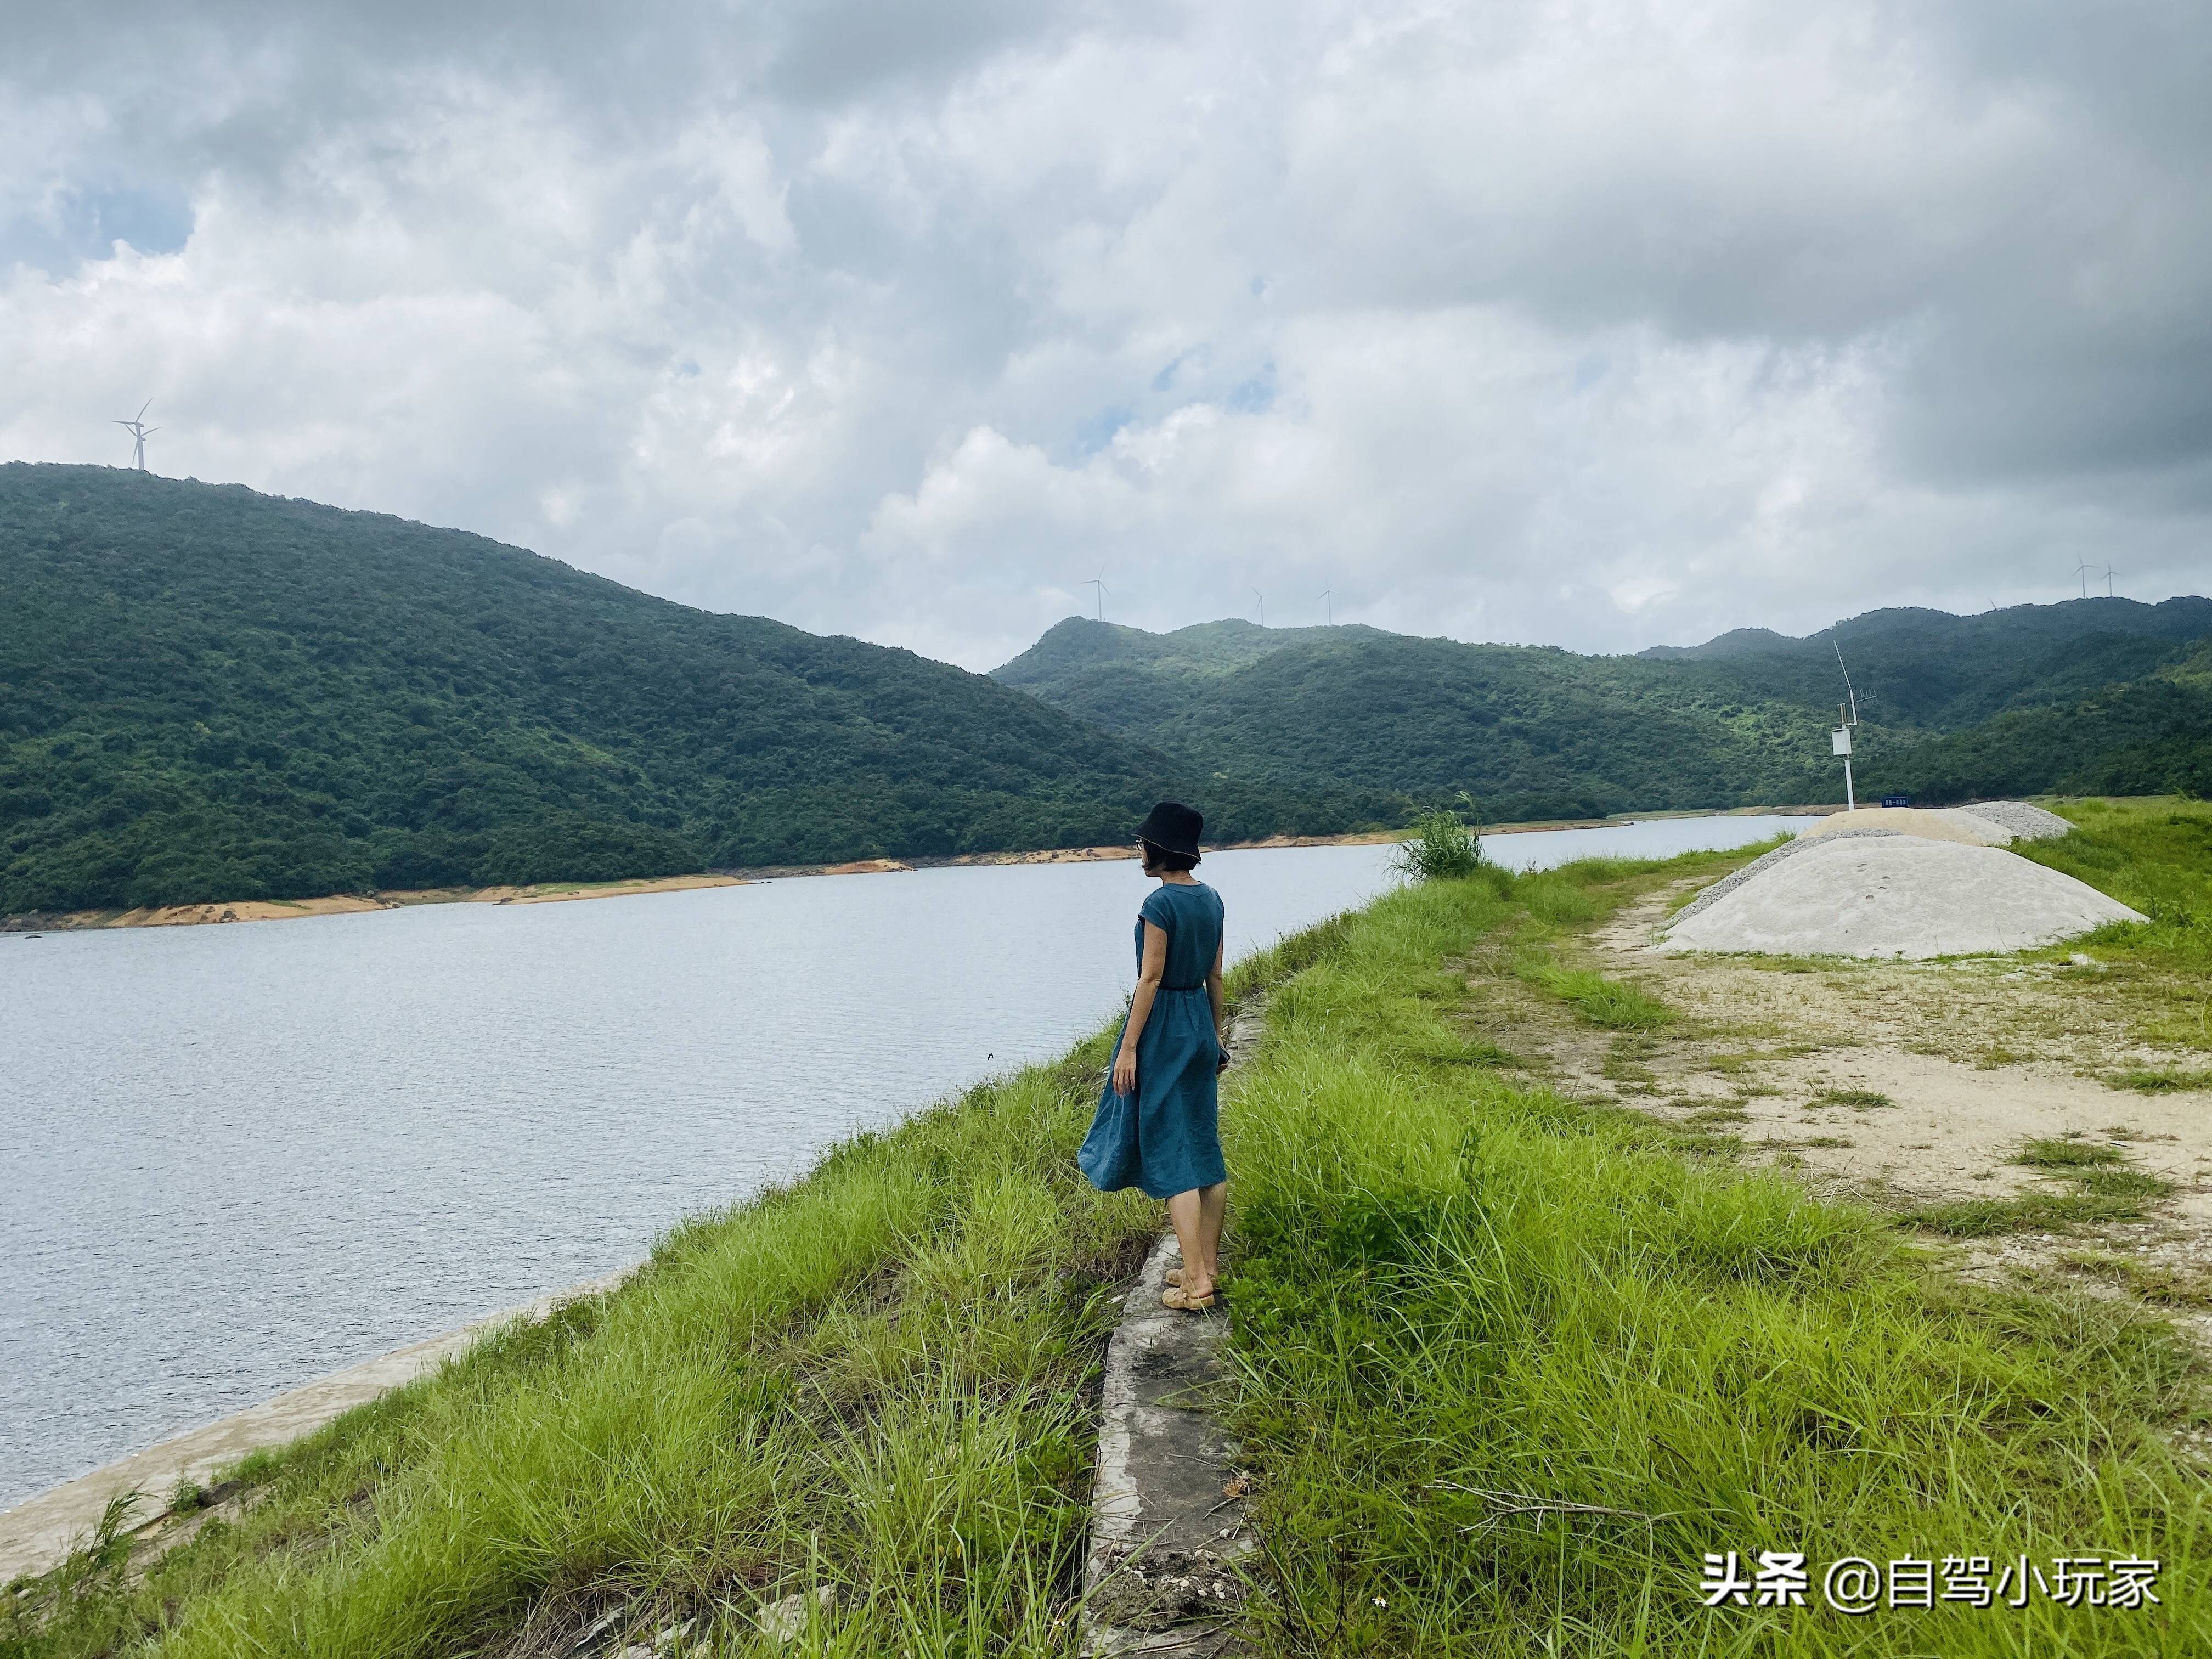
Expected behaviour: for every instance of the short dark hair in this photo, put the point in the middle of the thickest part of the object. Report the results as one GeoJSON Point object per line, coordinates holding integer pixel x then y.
{"type": "Point", "coordinates": [1158, 860]}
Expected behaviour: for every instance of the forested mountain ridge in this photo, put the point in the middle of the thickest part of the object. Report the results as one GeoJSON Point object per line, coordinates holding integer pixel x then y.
{"type": "Point", "coordinates": [207, 693]}
{"type": "Point", "coordinates": [1935, 671]}
{"type": "Point", "coordinates": [1537, 731]}
{"type": "Point", "coordinates": [210, 694]}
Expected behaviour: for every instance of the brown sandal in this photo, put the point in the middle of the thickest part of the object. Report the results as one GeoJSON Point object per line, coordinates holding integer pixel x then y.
{"type": "Point", "coordinates": [1175, 1275]}
{"type": "Point", "coordinates": [1174, 1297]}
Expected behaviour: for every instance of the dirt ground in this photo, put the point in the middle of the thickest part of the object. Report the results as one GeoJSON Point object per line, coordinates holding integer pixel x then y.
{"type": "Point", "coordinates": [1908, 1085]}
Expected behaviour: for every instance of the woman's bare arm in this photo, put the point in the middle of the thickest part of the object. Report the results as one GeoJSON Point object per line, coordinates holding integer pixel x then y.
{"type": "Point", "coordinates": [1149, 972]}
{"type": "Point", "coordinates": [1215, 995]}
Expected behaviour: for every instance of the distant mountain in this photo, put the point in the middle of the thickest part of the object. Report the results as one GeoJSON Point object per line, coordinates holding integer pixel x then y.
{"type": "Point", "coordinates": [1933, 669]}
{"type": "Point", "coordinates": [206, 693]}
{"type": "Point", "coordinates": [1539, 733]}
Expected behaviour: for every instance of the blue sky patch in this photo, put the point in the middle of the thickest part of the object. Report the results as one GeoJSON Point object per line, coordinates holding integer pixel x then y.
{"type": "Point", "coordinates": [81, 225]}
{"type": "Point", "coordinates": [1257, 395]}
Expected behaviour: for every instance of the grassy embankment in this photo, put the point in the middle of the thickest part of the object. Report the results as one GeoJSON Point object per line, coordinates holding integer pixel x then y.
{"type": "Point", "coordinates": [1460, 1297]}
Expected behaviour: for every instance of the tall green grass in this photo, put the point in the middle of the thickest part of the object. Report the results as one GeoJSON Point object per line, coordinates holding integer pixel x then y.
{"type": "Point", "coordinates": [1450, 1286]}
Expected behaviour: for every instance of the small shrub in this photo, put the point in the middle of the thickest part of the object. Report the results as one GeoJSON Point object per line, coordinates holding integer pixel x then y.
{"type": "Point", "coordinates": [1442, 847]}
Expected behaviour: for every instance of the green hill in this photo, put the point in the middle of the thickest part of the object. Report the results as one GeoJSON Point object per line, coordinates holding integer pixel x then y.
{"type": "Point", "coordinates": [2019, 701]}
{"type": "Point", "coordinates": [206, 693]}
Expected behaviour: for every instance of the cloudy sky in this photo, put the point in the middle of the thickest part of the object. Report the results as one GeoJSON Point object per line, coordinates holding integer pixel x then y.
{"type": "Point", "coordinates": [1587, 322]}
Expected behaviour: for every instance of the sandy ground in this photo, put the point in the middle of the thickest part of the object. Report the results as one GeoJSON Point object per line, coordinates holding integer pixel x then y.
{"type": "Point", "coordinates": [36, 1535]}
{"type": "Point", "coordinates": [1938, 825]}
{"type": "Point", "coordinates": [1964, 1062]}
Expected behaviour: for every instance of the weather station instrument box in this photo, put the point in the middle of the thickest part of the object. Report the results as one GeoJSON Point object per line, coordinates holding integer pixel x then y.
{"type": "Point", "coordinates": [1841, 736]}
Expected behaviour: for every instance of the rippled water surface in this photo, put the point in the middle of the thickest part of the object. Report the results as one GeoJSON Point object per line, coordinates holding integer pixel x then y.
{"type": "Point", "coordinates": [233, 1158]}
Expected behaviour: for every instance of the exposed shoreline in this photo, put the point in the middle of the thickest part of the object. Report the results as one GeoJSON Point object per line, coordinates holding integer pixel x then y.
{"type": "Point", "coordinates": [177, 915]}
{"type": "Point", "coordinates": [38, 1534]}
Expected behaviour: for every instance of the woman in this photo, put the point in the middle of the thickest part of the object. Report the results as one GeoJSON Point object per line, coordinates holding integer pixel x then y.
{"type": "Point", "coordinates": [1157, 1125]}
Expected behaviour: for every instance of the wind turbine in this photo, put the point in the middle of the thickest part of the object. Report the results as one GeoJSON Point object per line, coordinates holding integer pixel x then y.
{"type": "Point", "coordinates": [137, 427]}
{"type": "Point", "coordinates": [1098, 582]}
{"type": "Point", "coordinates": [2083, 571]}
{"type": "Point", "coordinates": [2108, 581]}
{"type": "Point", "coordinates": [1262, 597]}
{"type": "Point", "coordinates": [1330, 605]}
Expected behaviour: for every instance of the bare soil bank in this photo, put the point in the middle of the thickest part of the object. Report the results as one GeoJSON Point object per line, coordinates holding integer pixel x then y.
{"type": "Point", "coordinates": [174, 916]}
{"type": "Point", "coordinates": [177, 915]}
{"type": "Point", "coordinates": [1914, 1085]}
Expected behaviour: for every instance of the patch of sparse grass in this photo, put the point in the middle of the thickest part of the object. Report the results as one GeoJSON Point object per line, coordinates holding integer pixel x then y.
{"type": "Point", "coordinates": [2121, 1185]}
{"type": "Point", "coordinates": [1857, 1099]}
{"type": "Point", "coordinates": [2169, 1080]}
{"type": "Point", "coordinates": [186, 1496]}
{"type": "Point", "coordinates": [2105, 1189]}
{"type": "Point", "coordinates": [2158, 1282]}
{"type": "Point", "coordinates": [1717, 1115]}
{"type": "Point", "coordinates": [1602, 1001]}
{"type": "Point", "coordinates": [1988, 1218]}
{"type": "Point", "coordinates": [1750, 1030]}
{"type": "Point", "coordinates": [1826, 1140]}
{"type": "Point", "coordinates": [1995, 1055]}
{"type": "Point", "coordinates": [2068, 1154]}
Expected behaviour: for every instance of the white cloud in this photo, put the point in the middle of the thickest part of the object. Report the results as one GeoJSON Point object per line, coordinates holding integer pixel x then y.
{"type": "Point", "coordinates": [1601, 324]}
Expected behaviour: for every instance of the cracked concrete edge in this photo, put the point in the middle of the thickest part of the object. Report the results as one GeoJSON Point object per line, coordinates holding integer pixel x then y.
{"type": "Point", "coordinates": [1116, 1500]}
{"type": "Point", "coordinates": [1120, 1525]}
{"type": "Point", "coordinates": [1118, 1507]}
{"type": "Point", "coordinates": [38, 1535]}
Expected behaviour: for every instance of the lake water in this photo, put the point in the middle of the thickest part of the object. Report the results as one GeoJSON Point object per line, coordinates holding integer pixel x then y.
{"type": "Point", "coordinates": [234, 1159]}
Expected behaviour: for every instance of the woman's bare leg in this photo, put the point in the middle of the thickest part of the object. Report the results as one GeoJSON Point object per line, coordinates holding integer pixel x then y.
{"type": "Point", "coordinates": [1212, 1207]}
{"type": "Point", "coordinates": [1197, 1216]}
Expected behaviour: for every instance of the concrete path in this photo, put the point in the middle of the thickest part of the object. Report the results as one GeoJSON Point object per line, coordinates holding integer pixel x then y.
{"type": "Point", "coordinates": [1168, 1534]}
{"type": "Point", "coordinates": [38, 1535]}
{"type": "Point", "coordinates": [1167, 1529]}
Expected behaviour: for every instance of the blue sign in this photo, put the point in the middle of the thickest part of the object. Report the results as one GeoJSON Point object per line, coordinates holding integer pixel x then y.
{"type": "Point", "coordinates": [1897, 800]}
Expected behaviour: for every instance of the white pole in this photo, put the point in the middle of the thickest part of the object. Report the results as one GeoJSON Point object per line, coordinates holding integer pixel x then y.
{"type": "Point", "coordinates": [1851, 800]}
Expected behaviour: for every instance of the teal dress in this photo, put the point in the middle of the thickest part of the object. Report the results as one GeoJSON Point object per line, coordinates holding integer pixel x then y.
{"type": "Point", "coordinates": [1166, 1137]}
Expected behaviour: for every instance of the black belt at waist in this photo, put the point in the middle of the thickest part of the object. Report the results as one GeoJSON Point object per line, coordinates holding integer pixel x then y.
{"type": "Point", "coordinates": [1200, 986]}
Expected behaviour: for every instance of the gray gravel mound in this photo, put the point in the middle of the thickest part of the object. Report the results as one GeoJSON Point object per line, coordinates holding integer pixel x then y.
{"type": "Point", "coordinates": [1897, 895]}
{"type": "Point", "coordinates": [2027, 822]}
{"type": "Point", "coordinates": [1766, 861]}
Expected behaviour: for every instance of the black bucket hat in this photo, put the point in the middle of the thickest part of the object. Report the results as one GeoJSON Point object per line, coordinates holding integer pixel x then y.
{"type": "Point", "coordinates": [1173, 828]}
